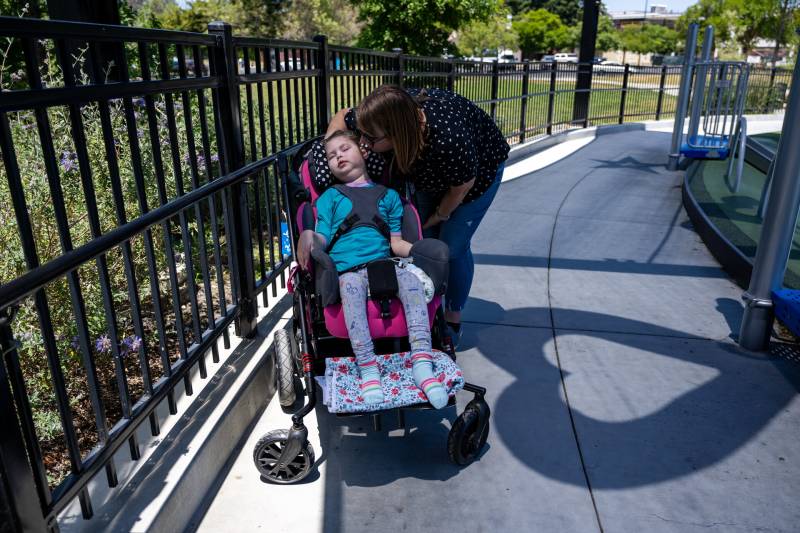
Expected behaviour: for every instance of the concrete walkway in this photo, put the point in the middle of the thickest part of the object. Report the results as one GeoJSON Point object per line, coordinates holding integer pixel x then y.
{"type": "Point", "coordinates": [601, 327]}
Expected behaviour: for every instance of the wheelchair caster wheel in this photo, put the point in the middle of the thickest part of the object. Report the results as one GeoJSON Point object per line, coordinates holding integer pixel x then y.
{"type": "Point", "coordinates": [468, 435]}
{"type": "Point", "coordinates": [267, 453]}
{"type": "Point", "coordinates": [284, 368]}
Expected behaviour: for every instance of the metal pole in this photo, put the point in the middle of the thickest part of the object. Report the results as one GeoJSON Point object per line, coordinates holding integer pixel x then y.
{"type": "Point", "coordinates": [21, 505]}
{"type": "Point", "coordinates": [683, 97]}
{"type": "Point", "coordinates": [588, 47]}
{"type": "Point", "coordinates": [233, 151]}
{"type": "Point", "coordinates": [777, 229]}
{"type": "Point", "coordinates": [698, 93]}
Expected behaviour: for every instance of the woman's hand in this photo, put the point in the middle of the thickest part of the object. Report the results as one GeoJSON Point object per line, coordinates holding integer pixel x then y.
{"type": "Point", "coordinates": [433, 220]}
{"type": "Point", "coordinates": [305, 244]}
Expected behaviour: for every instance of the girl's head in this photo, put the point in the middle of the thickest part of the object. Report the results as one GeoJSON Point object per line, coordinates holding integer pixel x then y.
{"type": "Point", "coordinates": [391, 119]}
{"type": "Point", "coordinates": [345, 156]}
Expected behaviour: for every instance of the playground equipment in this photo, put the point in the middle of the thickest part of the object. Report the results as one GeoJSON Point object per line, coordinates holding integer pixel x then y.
{"type": "Point", "coordinates": [716, 90]}
{"type": "Point", "coordinates": [782, 195]}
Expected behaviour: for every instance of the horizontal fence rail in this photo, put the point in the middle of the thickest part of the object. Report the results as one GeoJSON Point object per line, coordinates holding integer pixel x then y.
{"type": "Point", "coordinates": [141, 211]}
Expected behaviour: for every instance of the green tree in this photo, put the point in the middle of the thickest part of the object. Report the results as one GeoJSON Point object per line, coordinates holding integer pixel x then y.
{"type": "Point", "coordinates": [336, 19]}
{"type": "Point", "coordinates": [541, 31]}
{"type": "Point", "coordinates": [255, 18]}
{"type": "Point", "coordinates": [493, 34]}
{"type": "Point", "coordinates": [607, 35]}
{"type": "Point", "coordinates": [569, 11]}
{"type": "Point", "coordinates": [417, 26]}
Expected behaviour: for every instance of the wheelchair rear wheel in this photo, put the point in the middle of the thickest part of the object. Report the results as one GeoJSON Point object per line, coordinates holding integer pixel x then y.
{"type": "Point", "coordinates": [284, 368]}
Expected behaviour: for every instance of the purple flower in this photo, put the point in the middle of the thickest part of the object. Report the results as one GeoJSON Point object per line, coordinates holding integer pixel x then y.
{"type": "Point", "coordinates": [214, 158]}
{"type": "Point", "coordinates": [75, 345]}
{"type": "Point", "coordinates": [139, 101]}
{"type": "Point", "coordinates": [103, 344]}
{"type": "Point", "coordinates": [67, 161]}
{"type": "Point", "coordinates": [132, 343]}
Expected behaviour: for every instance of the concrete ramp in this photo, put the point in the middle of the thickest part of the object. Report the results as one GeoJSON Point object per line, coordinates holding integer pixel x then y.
{"type": "Point", "coordinates": [602, 329]}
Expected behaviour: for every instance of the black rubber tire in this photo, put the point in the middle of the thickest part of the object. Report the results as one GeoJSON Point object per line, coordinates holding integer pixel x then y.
{"type": "Point", "coordinates": [266, 453]}
{"type": "Point", "coordinates": [284, 368]}
{"type": "Point", "coordinates": [459, 441]}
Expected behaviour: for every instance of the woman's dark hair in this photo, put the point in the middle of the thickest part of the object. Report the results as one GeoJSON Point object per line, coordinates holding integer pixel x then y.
{"type": "Point", "coordinates": [398, 115]}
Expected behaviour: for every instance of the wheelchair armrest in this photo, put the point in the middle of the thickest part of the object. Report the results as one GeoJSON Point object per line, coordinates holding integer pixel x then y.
{"type": "Point", "coordinates": [433, 257]}
{"type": "Point", "coordinates": [326, 278]}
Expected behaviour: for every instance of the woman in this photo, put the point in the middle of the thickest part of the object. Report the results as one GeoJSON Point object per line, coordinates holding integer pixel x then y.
{"type": "Point", "coordinates": [450, 152]}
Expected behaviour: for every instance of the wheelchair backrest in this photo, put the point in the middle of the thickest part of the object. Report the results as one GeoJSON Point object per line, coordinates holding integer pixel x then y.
{"type": "Point", "coordinates": [306, 216]}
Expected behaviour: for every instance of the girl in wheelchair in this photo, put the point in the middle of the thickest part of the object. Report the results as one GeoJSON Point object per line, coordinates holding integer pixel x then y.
{"type": "Point", "coordinates": [358, 225]}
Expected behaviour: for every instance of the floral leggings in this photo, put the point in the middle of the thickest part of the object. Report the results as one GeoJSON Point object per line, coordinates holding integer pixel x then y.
{"type": "Point", "coordinates": [353, 288]}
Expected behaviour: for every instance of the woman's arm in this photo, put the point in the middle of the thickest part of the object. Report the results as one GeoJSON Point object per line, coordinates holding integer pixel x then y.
{"type": "Point", "coordinates": [400, 247]}
{"type": "Point", "coordinates": [337, 121]}
{"type": "Point", "coordinates": [450, 201]}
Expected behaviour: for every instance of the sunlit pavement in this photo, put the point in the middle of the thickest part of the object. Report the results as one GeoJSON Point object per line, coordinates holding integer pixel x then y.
{"type": "Point", "coordinates": [602, 329]}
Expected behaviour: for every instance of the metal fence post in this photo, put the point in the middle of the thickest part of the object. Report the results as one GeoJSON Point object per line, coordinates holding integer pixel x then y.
{"type": "Point", "coordinates": [23, 505]}
{"type": "Point", "coordinates": [399, 66]}
{"type": "Point", "coordinates": [777, 230]}
{"type": "Point", "coordinates": [661, 85]}
{"type": "Point", "coordinates": [451, 76]}
{"type": "Point", "coordinates": [523, 108]}
{"type": "Point", "coordinates": [323, 84]}
{"type": "Point", "coordinates": [233, 158]}
{"type": "Point", "coordinates": [624, 94]}
{"type": "Point", "coordinates": [551, 100]}
{"type": "Point", "coordinates": [683, 97]}
{"type": "Point", "coordinates": [495, 86]}
{"type": "Point", "coordinates": [768, 100]}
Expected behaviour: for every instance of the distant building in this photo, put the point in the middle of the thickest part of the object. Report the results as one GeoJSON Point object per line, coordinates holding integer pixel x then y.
{"type": "Point", "coordinates": [658, 14]}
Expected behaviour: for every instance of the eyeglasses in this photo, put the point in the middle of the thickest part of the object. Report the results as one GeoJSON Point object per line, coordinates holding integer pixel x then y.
{"type": "Point", "coordinates": [371, 138]}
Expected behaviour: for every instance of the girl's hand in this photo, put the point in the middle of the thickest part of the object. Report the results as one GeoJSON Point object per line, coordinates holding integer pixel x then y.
{"type": "Point", "coordinates": [304, 246]}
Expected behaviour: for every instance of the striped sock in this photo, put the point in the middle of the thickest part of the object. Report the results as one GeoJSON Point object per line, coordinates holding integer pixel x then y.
{"type": "Point", "coordinates": [371, 388]}
{"type": "Point", "coordinates": [422, 370]}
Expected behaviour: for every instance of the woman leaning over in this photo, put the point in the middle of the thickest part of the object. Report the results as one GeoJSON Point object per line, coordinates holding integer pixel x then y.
{"type": "Point", "coordinates": [450, 153]}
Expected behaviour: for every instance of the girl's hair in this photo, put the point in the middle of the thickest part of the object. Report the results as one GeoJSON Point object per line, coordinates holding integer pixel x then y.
{"type": "Point", "coordinates": [396, 113]}
{"type": "Point", "coordinates": [353, 136]}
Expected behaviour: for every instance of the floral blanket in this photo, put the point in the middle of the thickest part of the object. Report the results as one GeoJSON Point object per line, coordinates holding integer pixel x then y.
{"type": "Point", "coordinates": [342, 383]}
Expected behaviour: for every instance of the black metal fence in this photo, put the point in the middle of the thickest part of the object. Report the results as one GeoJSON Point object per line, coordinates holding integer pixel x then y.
{"type": "Point", "coordinates": [141, 212]}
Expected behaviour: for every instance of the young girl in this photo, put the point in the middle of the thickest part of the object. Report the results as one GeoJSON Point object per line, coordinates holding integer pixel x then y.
{"type": "Point", "coordinates": [358, 246]}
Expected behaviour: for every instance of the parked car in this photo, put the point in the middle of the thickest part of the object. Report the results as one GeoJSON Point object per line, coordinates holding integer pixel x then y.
{"type": "Point", "coordinates": [565, 58]}
{"type": "Point", "coordinates": [546, 62]}
{"type": "Point", "coordinates": [611, 66]}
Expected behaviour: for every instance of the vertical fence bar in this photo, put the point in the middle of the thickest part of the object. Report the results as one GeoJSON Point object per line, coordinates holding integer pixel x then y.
{"type": "Point", "coordinates": [451, 75]}
{"type": "Point", "coordinates": [16, 476]}
{"type": "Point", "coordinates": [661, 84]}
{"type": "Point", "coordinates": [551, 99]}
{"type": "Point", "coordinates": [495, 86]}
{"type": "Point", "coordinates": [323, 84]}
{"type": "Point", "coordinates": [232, 148]}
{"type": "Point", "coordinates": [768, 99]}
{"type": "Point", "coordinates": [624, 93]}
{"type": "Point", "coordinates": [399, 66]}
{"type": "Point", "coordinates": [523, 108]}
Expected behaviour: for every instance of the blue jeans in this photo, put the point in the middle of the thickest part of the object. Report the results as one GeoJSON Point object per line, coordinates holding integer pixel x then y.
{"type": "Point", "coordinates": [457, 232]}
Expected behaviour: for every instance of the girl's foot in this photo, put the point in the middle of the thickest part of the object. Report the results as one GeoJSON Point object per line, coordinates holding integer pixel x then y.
{"type": "Point", "coordinates": [422, 370]}
{"type": "Point", "coordinates": [371, 388]}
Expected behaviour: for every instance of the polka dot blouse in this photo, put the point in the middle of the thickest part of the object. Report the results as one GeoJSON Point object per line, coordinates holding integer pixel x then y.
{"type": "Point", "coordinates": [461, 143]}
